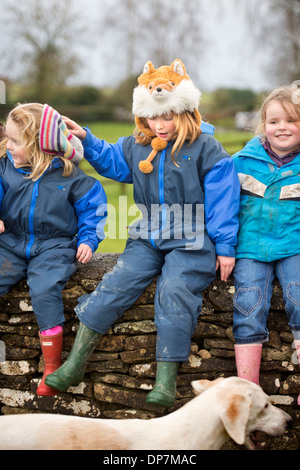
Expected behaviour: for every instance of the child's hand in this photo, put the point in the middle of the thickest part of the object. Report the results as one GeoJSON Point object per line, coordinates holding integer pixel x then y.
{"type": "Point", "coordinates": [226, 265]}
{"type": "Point", "coordinates": [74, 128]}
{"type": "Point", "coordinates": [84, 253]}
{"type": "Point", "coordinates": [2, 227]}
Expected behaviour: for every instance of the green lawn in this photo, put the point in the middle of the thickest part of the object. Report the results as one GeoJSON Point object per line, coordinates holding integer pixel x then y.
{"type": "Point", "coordinates": [121, 208]}
{"type": "Point", "coordinates": [119, 196]}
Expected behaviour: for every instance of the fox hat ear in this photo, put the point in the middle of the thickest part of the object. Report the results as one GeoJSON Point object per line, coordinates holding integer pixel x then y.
{"type": "Point", "coordinates": [148, 67]}
{"type": "Point", "coordinates": [178, 67]}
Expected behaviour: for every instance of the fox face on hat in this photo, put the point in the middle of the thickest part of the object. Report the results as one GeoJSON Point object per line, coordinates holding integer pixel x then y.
{"type": "Point", "coordinates": [55, 138]}
{"type": "Point", "coordinates": [162, 91]}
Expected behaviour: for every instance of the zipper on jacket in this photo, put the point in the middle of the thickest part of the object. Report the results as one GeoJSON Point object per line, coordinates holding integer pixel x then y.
{"type": "Point", "coordinates": [34, 197]}
{"type": "Point", "coordinates": [161, 193]}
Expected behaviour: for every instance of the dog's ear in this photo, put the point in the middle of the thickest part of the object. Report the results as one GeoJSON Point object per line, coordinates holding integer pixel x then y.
{"type": "Point", "coordinates": [235, 417]}
{"type": "Point", "coordinates": [199, 386]}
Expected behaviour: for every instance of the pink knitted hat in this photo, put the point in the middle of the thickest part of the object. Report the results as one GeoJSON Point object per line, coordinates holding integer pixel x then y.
{"type": "Point", "coordinates": [55, 138]}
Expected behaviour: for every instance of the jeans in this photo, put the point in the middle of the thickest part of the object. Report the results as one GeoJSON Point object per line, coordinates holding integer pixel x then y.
{"type": "Point", "coordinates": [253, 293]}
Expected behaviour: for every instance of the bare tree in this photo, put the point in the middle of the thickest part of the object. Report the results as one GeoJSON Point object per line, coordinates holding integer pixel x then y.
{"type": "Point", "coordinates": [39, 35]}
{"type": "Point", "coordinates": [157, 30]}
{"type": "Point", "coordinates": [275, 24]}
{"type": "Point", "coordinates": [288, 52]}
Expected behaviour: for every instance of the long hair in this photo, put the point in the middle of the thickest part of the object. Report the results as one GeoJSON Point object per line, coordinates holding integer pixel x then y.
{"type": "Point", "coordinates": [186, 129]}
{"type": "Point", "coordinates": [2, 133]}
{"type": "Point", "coordinates": [287, 97]}
{"type": "Point", "coordinates": [28, 118]}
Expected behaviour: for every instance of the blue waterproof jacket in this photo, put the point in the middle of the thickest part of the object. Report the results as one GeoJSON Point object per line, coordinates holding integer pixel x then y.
{"type": "Point", "coordinates": [205, 178]}
{"type": "Point", "coordinates": [52, 207]}
{"type": "Point", "coordinates": [270, 205]}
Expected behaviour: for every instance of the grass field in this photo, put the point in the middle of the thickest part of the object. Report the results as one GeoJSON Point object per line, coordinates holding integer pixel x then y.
{"type": "Point", "coordinates": [121, 208]}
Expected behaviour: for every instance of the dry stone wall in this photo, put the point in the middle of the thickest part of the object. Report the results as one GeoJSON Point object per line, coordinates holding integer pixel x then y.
{"type": "Point", "coordinates": [122, 368]}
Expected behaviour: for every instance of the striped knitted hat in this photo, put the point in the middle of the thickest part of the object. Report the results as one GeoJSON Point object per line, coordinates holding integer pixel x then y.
{"type": "Point", "coordinates": [55, 138]}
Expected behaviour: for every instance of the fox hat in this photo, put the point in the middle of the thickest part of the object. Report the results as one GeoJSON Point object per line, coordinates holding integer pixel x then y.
{"type": "Point", "coordinates": [162, 91]}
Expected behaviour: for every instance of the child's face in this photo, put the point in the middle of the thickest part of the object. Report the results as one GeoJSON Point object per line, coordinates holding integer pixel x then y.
{"type": "Point", "coordinates": [15, 144]}
{"type": "Point", "coordinates": [282, 132]}
{"type": "Point", "coordinates": [163, 126]}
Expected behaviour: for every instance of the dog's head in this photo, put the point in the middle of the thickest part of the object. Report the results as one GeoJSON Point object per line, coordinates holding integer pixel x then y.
{"type": "Point", "coordinates": [244, 408]}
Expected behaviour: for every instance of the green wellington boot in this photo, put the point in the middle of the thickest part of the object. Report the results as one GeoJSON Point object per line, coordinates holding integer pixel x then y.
{"type": "Point", "coordinates": [72, 370]}
{"type": "Point", "coordinates": [164, 391]}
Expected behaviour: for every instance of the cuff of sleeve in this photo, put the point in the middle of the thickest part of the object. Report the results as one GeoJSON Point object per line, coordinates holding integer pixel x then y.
{"type": "Point", "coordinates": [86, 142]}
{"type": "Point", "coordinates": [225, 250]}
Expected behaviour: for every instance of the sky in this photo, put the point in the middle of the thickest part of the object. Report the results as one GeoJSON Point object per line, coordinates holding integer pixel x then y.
{"type": "Point", "coordinates": [231, 58]}
{"type": "Point", "coordinates": [234, 60]}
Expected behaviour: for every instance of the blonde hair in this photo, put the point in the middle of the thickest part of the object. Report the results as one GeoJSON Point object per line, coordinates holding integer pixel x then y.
{"type": "Point", "coordinates": [28, 118]}
{"type": "Point", "coordinates": [186, 129]}
{"type": "Point", "coordinates": [285, 95]}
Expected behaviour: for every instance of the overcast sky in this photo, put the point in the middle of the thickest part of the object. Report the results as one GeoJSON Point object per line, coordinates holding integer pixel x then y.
{"type": "Point", "coordinates": [234, 58]}
{"type": "Point", "coordinates": [230, 56]}
{"type": "Point", "coordinates": [231, 59]}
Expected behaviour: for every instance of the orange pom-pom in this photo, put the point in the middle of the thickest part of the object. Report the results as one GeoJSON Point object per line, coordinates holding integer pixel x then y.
{"type": "Point", "coordinates": [145, 166]}
{"type": "Point", "coordinates": [158, 144]}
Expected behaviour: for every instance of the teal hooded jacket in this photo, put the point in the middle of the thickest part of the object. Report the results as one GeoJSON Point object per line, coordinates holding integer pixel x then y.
{"type": "Point", "coordinates": [269, 218]}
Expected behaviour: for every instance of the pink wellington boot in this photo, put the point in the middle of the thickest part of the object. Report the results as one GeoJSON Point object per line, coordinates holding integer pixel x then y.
{"type": "Point", "coordinates": [297, 345]}
{"type": "Point", "coordinates": [248, 358]}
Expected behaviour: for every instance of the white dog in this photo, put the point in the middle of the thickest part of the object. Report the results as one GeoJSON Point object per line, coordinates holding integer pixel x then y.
{"type": "Point", "coordinates": [224, 408]}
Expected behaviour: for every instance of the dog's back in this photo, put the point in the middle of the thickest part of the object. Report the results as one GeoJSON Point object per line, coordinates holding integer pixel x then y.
{"type": "Point", "coordinates": [224, 408]}
{"type": "Point", "coordinates": [54, 432]}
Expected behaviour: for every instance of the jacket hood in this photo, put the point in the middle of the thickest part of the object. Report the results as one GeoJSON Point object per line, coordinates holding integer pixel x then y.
{"type": "Point", "coordinates": [255, 149]}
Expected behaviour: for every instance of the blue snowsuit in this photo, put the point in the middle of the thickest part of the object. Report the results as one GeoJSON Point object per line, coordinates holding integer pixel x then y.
{"type": "Point", "coordinates": [45, 221]}
{"type": "Point", "coordinates": [189, 213]}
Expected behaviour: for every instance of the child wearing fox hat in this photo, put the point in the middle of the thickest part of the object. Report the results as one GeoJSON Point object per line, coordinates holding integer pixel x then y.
{"type": "Point", "coordinates": [188, 191]}
{"type": "Point", "coordinates": [49, 213]}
